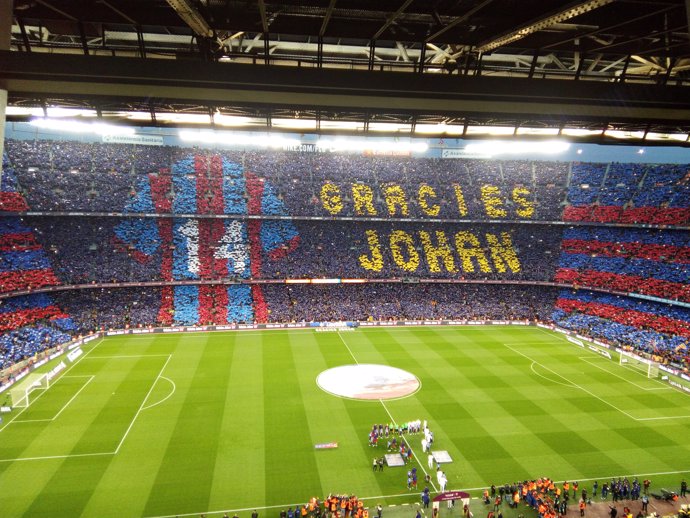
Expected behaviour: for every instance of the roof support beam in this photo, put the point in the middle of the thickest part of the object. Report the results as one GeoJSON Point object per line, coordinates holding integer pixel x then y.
{"type": "Point", "coordinates": [609, 28]}
{"type": "Point", "coordinates": [105, 79]}
{"type": "Point", "coordinates": [82, 37]}
{"type": "Point", "coordinates": [540, 24]}
{"type": "Point", "coordinates": [118, 12]}
{"type": "Point", "coordinates": [25, 36]}
{"type": "Point", "coordinates": [59, 11]}
{"type": "Point", "coordinates": [327, 18]}
{"type": "Point", "coordinates": [633, 40]}
{"type": "Point", "coordinates": [391, 19]}
{"type": "Point", "coordinates": [262, 11]}
{"type": "Point", "coordinates": [459, 20]}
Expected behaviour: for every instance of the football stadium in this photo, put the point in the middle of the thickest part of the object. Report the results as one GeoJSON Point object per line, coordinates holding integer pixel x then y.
{"type": "Point", "coordinates": [342, 259]}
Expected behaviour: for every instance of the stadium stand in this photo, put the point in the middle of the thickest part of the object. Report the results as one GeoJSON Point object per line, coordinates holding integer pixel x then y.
{"type": "Point", "coordinates": [289, 208]}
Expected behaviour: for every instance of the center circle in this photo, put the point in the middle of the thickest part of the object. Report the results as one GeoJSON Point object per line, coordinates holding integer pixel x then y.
{"type": "Point", "coordinates": [368, 381]}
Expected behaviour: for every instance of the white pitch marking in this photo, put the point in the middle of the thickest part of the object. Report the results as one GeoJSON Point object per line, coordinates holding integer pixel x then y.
{"type": "Point", "coordinates": [58, 457]}
{"type": "Point", "coordinates": [389, 414]}
{"type": "Point", "coordinates": [466, 489]}
{"type": "Point", "coordinates": [142, 405]}
{"type": "Point", "coordinates": [587, 360]}
{"type": "Point", "coordinates": [72, 398]}
{"type": "Point", "coordinates": [575, 385]}
{"type": "Point", "coordinates": [99, 357]}
{"type": "Point", "coordinates": [63, 375]}
{"type": "Point", "coordinates": [166, 397]}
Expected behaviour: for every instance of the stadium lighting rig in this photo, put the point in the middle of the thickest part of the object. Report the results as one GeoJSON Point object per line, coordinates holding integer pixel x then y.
{"type": "Point", "coordinates": [393, 146]}
{"type": "Point", "coordinates": [235, 139]}
{"type": "Point", "coordinates": [72, 126]}
{"type": "Point", "coordinates": [541, 24]}
{"type": "Point", "coordinates": [497, 147]}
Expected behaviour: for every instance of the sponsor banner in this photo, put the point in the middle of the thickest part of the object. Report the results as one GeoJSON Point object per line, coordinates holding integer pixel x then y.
{"type": "Point", "coordinates": [40, 363]}
{"type": "Point", "coordinates": [90, 338]}
{"type": "Point", "coordinates": [71, 356]}
{"type": "Point", "coordinates": [7, 385]}
{"type": "Point", "coordinates": [544, 326]}
{"type": "Point", "coordinates": [516, 323]}
{"type": "Point", "coordinates": [601, 344]}
{"type": "Point", "coordinates": [685, 377]}
{"type": "Point", "coordinates": [670, 370]}
{"type": "Point", "coordinates": [56, 370]}
{"type": "Point", "coordinates": [141, 331]}
{"type": "Point", "coordinates": [326, 445]}
{"type": "Point", "coordinates": [194, 329]}
{"type": "Point", "coordinates": [411, 323]}
{"type": "Point", "coordinates": [453, 153]}
{"type": "Point", "coordinates": [113, 333]}
{"type": "Point", "coordinates": [55, 355]}
{"type": "Point", "coordinates": [5, 409]}
{"type": "Point", "coordinates": [432, 323]}
{"type": "Point", "coordinates": [248, 326]}
{"type": "Point", "coordinates": [605, 354]}
{"type": "Point", "coordinates": [574, 341]}
{"type": "Point", "coordinates": [142, 140]}
{"type": "Point", "coordinates": [225, 328]}
{"type": "Point", "coordinates": [679, 385]}
{"type": "Point", "coordinates": [451, 495]}
{"type": "Point", "coordinates": [173, 329]}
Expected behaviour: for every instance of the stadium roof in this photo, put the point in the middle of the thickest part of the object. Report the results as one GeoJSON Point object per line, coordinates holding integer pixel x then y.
{"type": "Point", "coordinates": [605, 68]}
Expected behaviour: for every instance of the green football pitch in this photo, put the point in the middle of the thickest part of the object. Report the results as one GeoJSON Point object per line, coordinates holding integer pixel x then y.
{"type": "Point", "coordinates": [183, 424]}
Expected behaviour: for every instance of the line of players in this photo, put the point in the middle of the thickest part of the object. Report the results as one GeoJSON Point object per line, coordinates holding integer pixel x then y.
{"type": "Point", "coordinates": [379, 431]}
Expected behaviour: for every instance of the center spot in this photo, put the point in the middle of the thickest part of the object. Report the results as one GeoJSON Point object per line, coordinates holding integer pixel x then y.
{"type": "Point", "coordinates": [368, 381]}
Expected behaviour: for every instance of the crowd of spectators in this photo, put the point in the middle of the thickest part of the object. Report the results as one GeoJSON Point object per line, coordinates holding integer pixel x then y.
{"type": "Point", "coordinates": [109, 249]}
{"type": "Point", "coordinates": [125, 179]}
{"type": "Point", "coordinates": [629, 193]}
{"type": "Point", "coordinates": [658, 329]}
{"type": "Point", "coordinates": [91, 177]}
{"type": "Point", "coordinates": [651, 262]}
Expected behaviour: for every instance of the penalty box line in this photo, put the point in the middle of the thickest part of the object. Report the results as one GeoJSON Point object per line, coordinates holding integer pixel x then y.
{"type": "Point", "coordinates": [390, 415]}
{"type": "Point", "coordinates": [90, 379]}
{"type": "Point", "coordinates": [62, 376]}
{"type": "Point", "coordinates": [587, 359]}
{"type": "Point", "coordinates": [575, 385]}
{"type": "Point", "coordinates": [96, 454]}
{"type": "Point", "coordinates": [141, 407]}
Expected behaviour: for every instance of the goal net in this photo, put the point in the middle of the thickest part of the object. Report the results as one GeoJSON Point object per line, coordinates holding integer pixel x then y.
{"type": "Point", "coordinates": [23, 396]}
{"type": "Point", "coordinates": [647, 367]}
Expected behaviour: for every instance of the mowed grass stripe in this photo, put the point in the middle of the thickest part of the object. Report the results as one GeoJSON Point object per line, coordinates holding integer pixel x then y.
{"type": "Point", "coordinates": [132, 472]}
{"type": "Point", "coordinates": [189, 461]}
{"type": "Point", "coordinates": [451, 415]}
{"type": "Point", "coordinates": [367, 345]}
{"type": "Point", "coordinates": [289, 455]}
{"type": "Point", "coordinates": [240, 471]}
{"type": "Point", "coordinates": [346, 469]}
{"type": "Point", "coordinates": [500, 409]}
{"type": "Point", "coordinates": [96, 423]}
{"type": "Point", "coordinates": [596, 448]}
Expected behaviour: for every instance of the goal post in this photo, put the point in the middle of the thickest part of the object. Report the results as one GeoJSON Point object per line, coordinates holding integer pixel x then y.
{"type": "Point", "coordinates": [647, 367]}
{"type": "Point", "coordinates": [22, 396]}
